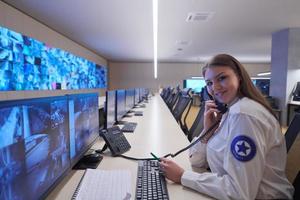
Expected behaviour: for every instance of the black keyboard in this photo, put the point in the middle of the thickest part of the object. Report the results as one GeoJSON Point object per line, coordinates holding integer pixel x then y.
{"type": "Point", "coordinates": [129, 127]}
{"type": "Point", "coordinates": [151, 183]}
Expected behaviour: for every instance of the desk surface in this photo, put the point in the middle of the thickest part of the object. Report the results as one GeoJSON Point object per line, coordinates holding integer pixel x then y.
{"type": "Point", "coordinates": [294, 103]}
{"type": "Point", "coordinates": [157, 132]}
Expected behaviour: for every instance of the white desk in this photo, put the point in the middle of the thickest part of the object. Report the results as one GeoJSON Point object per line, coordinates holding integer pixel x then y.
{"type": "Point", "coordinates": [157, 132]}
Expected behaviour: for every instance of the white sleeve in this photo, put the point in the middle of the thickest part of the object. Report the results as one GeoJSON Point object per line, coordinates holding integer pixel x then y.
{"type": "Point", "coordinates": [241, 179]}
{"type": "Point", "coordinates": [197, 154]}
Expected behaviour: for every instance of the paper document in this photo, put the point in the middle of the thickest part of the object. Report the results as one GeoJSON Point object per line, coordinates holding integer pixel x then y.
{"type": "Point", "coordinates": [105, 185]}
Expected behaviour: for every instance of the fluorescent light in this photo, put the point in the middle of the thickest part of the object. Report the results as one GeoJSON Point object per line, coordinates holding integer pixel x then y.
{"type": "Point", "coordinates": [197, 77]}
{"type": "Point", "coordinates": [254, 78]}
{"type": "Point", "coordinates": [155, 13]}
{"type": "Point", "coordinates": [264, 74]}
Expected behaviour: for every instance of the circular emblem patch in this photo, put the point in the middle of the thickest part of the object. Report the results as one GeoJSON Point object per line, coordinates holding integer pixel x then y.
{"type": "Point", "coordinates": [243, 148]}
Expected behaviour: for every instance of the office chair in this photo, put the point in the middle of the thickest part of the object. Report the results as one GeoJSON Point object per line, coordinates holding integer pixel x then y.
{"type": "Point", "coordinates": [180, 107]}
{"type": "Point", "coordinates": [186, 92]}
{"type": "Point", "coordinates": [290, 137]}
{"type": "Point", "coordinates": [197, 125]}
{"type": "Point", "coordinates": [292, 131]}
{"type": "Point", "coordinates": [170, 97]}
{"type": "Point", "coordinates": [296, 185]}
{"type": "Point", "coordinates": [163, 92]}
{"type": "Point", "coordinates": [175, 99]}
{"type": "Point", "coordinates": [169, 92]}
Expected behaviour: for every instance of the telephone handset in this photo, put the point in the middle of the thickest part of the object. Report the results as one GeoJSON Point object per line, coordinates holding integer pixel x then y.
{"type": "Point", "coordinates": [116, 141]}
{"type": "Point", "coordinates": [222, 107]}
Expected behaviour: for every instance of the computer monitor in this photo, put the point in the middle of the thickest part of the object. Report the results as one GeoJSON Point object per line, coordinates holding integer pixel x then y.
{"type": "Point", "coordinates": [102, 119]}
{"type": "Point", "coordinates": [263, 84]}
{"type": "Point", "coordinates": [84, 123]}
{"type": "Point", "coordinates": [34, 146]}
{"type": "Point", "coordinates": [195, 84]}
{"type": "Point", "coordinates": [120, 105]}
{"type": "Point", "coordinates": [110, 108]}
{"type": "Point", "coordinates": [129, 99]}
{"type": "Point", "coordinates": [143, 94]}
{"type": "Point", "coordinates": [136, 96]}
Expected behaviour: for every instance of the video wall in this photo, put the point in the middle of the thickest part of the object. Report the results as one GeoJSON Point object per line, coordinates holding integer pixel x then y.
{"type": "Point", "coordinates": [28, 64]}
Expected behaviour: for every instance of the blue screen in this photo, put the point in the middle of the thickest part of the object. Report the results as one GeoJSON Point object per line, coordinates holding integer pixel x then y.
{"type": "Point", "coordinates": [34, 146]}
{"type": "Point", "coordinates": [129, 99]}
{"type": "Point", "coordinates": [263, 85]}
{"type": "Point", "coordinates": [121, 104]}
{"type": "Point", "coordinates": [84, 123]}
{"type": "Point", "coordinates": [110, 108]}
{"type": "Point", "coordinates": [195, 84]}
{"type": "Point", "coordinates": [28, 64]}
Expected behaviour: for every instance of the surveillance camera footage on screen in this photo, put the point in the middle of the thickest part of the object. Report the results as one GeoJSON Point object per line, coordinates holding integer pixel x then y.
{"type": "Point", "coordinates": [28, 64]}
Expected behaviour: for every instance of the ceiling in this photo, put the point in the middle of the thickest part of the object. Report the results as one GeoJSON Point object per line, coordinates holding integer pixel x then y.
{"type": "Point", "coordinates": [121, 30]}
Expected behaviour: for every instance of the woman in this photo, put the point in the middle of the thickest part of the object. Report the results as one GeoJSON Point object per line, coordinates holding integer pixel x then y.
{"type": "Point", "coordinates": [246, 153]}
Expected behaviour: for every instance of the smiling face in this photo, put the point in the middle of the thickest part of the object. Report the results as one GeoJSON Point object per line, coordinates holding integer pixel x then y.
{"type": "Point", "coordinates": [222, 83]}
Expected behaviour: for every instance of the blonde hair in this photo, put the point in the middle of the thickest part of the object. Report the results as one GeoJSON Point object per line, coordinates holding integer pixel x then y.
{"type": "Point", "coordinates": [246, 88]}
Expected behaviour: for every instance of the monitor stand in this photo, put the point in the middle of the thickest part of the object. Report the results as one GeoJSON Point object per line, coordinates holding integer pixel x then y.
{"type": "Point", "coordinates": [90, 161]}
{"type": "Point", "coordinates": [121, 122]}
{"type": "Point", "coordinates": [127, 115]}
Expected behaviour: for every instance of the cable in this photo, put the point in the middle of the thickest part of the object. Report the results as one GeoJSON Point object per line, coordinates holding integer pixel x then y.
{"type": "Point", "coordinates": [195, 142]}
{"type": "Point", "coordinates": [132, 158]}
{"type": "Point", "coordinates": [181, 150]}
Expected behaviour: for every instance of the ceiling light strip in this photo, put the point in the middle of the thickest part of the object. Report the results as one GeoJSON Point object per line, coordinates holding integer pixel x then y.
{"type": "Point", "coordinates": [155, 14]}
{"type": "Point", "coordinates": [264, 74]}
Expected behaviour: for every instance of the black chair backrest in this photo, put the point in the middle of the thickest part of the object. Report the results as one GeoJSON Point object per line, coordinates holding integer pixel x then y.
{"type": "Point", "coordinates": [292, 131]}
{"type": "Point", "coordinates": [296, 185]}
{"type": "Point", "coordinates": [186, 91]}
{"type": "Point", "coordinates": [174, 100]}
{"type": "Point", "coordinates": [163, 92]}
{"type": "Point", "coordinates": [170, 97]}
{"type": "Point", "coordinates": [197, 125]}
{"type": "Point", "coordinates": [181, 105]}
{"type": "Point", "coordinates": [167, 94]}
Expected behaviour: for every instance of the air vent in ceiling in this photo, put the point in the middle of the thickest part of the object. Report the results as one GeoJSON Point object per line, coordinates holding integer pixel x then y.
{"type": "Point", "coordinates": [183, 42]}
{"type": "Point", "coordinates": [199, 16]}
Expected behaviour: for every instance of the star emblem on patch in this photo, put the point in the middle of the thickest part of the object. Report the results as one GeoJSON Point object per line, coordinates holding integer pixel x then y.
{"type": "Point", "coordinates": [243, 148]}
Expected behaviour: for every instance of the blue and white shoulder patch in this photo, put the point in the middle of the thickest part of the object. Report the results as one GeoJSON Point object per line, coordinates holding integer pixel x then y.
{"type": "Point", "coordinates": [243, 148]}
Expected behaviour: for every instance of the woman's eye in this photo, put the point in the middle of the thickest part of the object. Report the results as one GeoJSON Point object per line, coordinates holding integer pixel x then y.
{"type": "Point", "coordinates": [221, 78]}
{"type": "Point", "coordinates": [208, 83]}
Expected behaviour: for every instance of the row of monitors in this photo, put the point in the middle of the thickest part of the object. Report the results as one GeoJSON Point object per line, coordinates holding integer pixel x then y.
{"type": "Point", "coordinates": [41, 140]}
{"type": "Point", "coordinates": [263, 84]}
{"type": "Point", "coordinates": [119, 102]}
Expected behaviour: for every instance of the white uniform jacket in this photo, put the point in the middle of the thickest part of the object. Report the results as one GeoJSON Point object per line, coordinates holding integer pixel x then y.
{"type": "Point", "coordinates": [246, 155]}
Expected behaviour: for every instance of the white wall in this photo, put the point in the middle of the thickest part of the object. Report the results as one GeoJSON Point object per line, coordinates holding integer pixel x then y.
{"type": "Point", "coordinates": [19, 22]}
{"type": "Point", "coordinates": [129, 75]}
